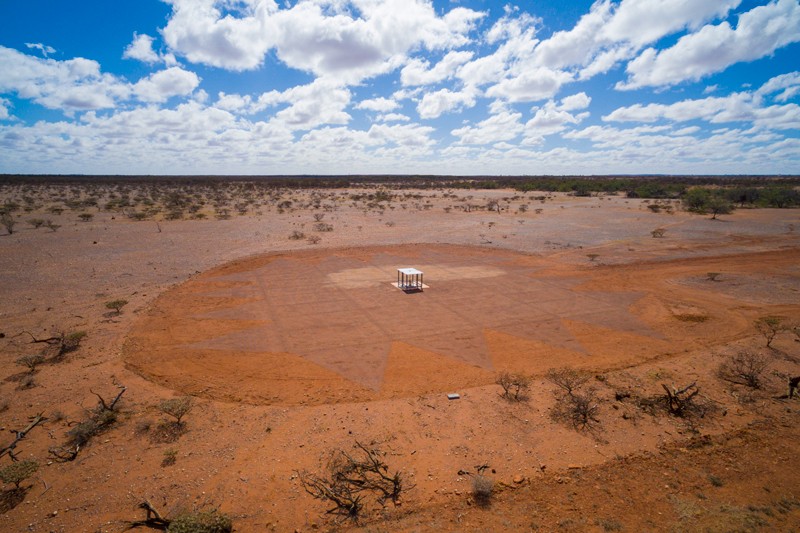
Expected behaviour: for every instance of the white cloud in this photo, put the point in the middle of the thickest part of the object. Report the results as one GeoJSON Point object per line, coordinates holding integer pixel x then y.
{"type": "Point", "coordinates": [418, 71]}
{"type": "Point", "coordinates": [233, 102]}
{"type": "Point", "coordinates": [324, 37]}
{"type": "Point", "coordinates": [578, 45]}
{"type": "Point", "coordinates": [502, 126]}
{"type": "Point", "coordinates": [788, 84]}
{"type": "Point", "coordinates": [378, 104]}
{"type": "Point", "coordinates": [759, 32]}
{"type": "Point", "coordinates": [436, 103]}
{"type": "Point", "coordinates": [553, 118]}
{"type": "Point", "coordinates": [684, 110]}
{"type": "Point", "coordinates": [162, 85]}
{"type": "Point", "coordinates": [612, 33]}
{"type": "Point", "coordinates": [517, 39]}
{"type": "Point", "coordinates": [690, 130]}
{"type": "Point", "coordinates": [736, 107]}
{"type": "Point", "coordinates": [198, 30]}
{"type": "Point", "coordinates": [355, 47]}
{"type": "Point", "coordinates": [321, 102]}
{"type": "Point", "coordinates": [74, 84]}
{"type": "Point", "coordinates": [4, 105]}
{"type": "Point", "coordinates": [43, 48]}
{"type": "Point", "coordinates": [392, 117]}
{"type": "Point", "coordinates": [641, 22]}
{"type": "Point", "coordinates": [576, 101]}
{"type": "Point", "coordinates": [531, 85]}
{"type": "Point", "coordinates": [141, 48]}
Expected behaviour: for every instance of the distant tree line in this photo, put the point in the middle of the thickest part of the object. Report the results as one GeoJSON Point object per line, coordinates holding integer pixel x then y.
{"type": "Point", "coordinates": [741, 191]}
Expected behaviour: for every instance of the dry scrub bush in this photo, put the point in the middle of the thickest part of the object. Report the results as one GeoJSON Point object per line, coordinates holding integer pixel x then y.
{"type": "Point", "coordinates": [352, 480]}
{"type": "Point", "coordinates": [18, 472]}
{"type": "Point", "coordinates": [568, 379]}
{"type": "Point", "coordinates": [515, 385]}
{"type": "Point", "coordinates": [101, 418]}
{"type": "Point", "coordinates": [201, 522]}
{"type": "Point", "coordinates": [177, 407]}
{"type": "Point", "coordinates": [574, 404]}
{"type": "Point", "coordinates": [686, 402]}
{"type": "Point", "coordinates": [31, 361]}
{"type": "Point", "coordinates": [8, 222]}
{"type": "Point", "coordinates": [744, 368]}
{"type": "Point", "coordinates": [323, 227]}
{"type": "Point", "coordinates": [170, 431]}
{"type": "Point", "coordinates": [116, 305]}
{"type": "Point", "coordinates": [769, 327]}
{"type": "Point", "coordinates": [579, 409]}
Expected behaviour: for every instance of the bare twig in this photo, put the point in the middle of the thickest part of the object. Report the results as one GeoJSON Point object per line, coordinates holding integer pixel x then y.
{"type": "Point", "coordinates": [9, 449]}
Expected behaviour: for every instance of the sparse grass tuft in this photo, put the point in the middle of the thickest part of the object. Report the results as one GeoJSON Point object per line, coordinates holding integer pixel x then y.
{"type": "Point", "coordinates": [482, 490]}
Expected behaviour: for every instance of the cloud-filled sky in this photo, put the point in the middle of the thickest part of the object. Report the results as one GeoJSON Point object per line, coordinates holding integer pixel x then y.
{"type": "Point", "coordinates": [400, 87]}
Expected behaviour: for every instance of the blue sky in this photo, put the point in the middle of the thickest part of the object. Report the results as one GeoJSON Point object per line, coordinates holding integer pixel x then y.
{"type": "Point", "coordinates": [400, 87]}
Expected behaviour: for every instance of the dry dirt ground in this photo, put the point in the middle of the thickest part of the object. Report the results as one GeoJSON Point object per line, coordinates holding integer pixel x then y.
{"type": "Point", "coordinates": [293, 349]}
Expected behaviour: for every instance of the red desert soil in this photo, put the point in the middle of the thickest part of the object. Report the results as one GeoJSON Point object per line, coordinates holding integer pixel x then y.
{"type": "Point", "coordinates": [294, 350]}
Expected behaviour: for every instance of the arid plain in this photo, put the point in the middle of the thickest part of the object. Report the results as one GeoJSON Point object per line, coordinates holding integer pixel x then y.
{"type": "Point", "coordinates": [279, 320]}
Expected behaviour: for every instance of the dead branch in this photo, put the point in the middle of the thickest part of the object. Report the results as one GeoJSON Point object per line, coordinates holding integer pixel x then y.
{"type": "Point", "coordinates": [678, 401]}
{"type": "Point", "coordinates": [109, 407]}
{"type": "Point", "coordinates": [50, 340]}
{"type": "Point", "coordinates": [9, 449]}
{"type": "Point", "coordinates": [346, 501]}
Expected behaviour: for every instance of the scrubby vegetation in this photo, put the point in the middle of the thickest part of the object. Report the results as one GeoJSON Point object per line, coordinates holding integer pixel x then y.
{"type": "Point", "coordinates": [353, 480]}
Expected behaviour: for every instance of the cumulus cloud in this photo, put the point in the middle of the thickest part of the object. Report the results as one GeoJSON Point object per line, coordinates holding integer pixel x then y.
{"type": "Point", "coordinates": [714, 48]}
{"type": "Point", "coordinates": [321, 102]}
{"type": "Point", "coordinates": [71, 85]}
{"type": "Point", "coordinates": [576, 101]}
{"type": "Point", "coordinates": [553, 118]}
{"type": "Point", "coordinates": [516, 39]}
{"type": "Point", "coordinates": [736, 107]}
{"type": "Point", "coordinates": [392, 117]}
{"type": "Point", "coordinates": [233, 102]}
{"type": "Point", "coordinates": [787, 84]}
{"type": "Point", "coordinates": [642, 22]}
{"type": "Point", "coordinates": [611, 33]}
{"type": "Point", "coordinates": [4, 105]}
{"type": "Point", "coordinates": [199, 31]}
{"type": "Point", "coordinates": [419, 71]}
{"type": "Point", "coordinates": [502, 126]}
{"type": "Point", "coordinates": [162, 85]}
{"type": "Point", "coordinates": [322, 36]}
{"type": "Point", "coordinates": [531, 85]}
{"type": "Point", "coordinates": [378, 104]}
{"type": "Point", "coordinates": [141, 48]}
{"type": "Point", "coordinates": [436, 103]}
